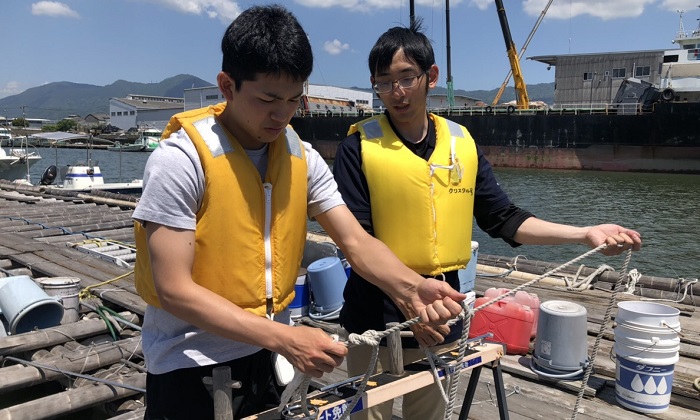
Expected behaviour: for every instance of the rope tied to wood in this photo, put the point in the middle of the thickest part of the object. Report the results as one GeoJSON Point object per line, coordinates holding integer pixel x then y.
{"type": "Point", "coordinates": [372, 337]}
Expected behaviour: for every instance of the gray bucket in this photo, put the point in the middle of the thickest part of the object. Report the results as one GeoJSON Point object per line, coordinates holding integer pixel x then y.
{"type": "Point", "coordinates": [561, 348]}
{"type": "Point", "coordinates": [26, 307]}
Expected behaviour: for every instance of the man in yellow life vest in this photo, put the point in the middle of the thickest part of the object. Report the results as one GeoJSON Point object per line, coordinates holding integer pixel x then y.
{"type": "Point", "coordinates": [416, 181]}
{"type": "Point", "coordinates": [220, 231]}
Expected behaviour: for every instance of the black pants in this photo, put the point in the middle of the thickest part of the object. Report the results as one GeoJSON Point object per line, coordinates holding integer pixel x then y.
{"type": "Point", "coordinates": [181, 394]}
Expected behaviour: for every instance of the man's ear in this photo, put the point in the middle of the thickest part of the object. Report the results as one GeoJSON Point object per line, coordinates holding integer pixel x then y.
{"type": "Point", "coordinates": [433, 74]}
{"type": "Point", "coordinates": [226, 85]}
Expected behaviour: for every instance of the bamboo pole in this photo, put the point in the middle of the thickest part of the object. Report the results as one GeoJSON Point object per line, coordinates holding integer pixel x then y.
{"type": "Point", "coordinates": [57, 335]}
{"type": "Point", "coordinates": [541, 267]}
{"type": "Point", "coordinates": [75, 399]}
{"type": "Point", "coordinates": [84, 360]}
{"type": "Point", "coordinates": [519, 275]}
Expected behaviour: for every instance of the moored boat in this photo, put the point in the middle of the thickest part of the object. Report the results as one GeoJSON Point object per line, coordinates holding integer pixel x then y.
{"type": "Point", "coordinates": [147, 141]}
{"type": "Point", "coordinates": [88, 177]}
{"type": "Point", "coordinates": [15, 162]}
{"type": "Point", "coordinates": [150, 138]}
{"type": "Point", "coordinates": [125, 147]}
{"type": "Point", "coordinates": [633, 111]}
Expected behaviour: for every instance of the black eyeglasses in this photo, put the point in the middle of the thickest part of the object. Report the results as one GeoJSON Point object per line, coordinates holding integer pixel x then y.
{"type": "Point", "coordinates": [404, 83]}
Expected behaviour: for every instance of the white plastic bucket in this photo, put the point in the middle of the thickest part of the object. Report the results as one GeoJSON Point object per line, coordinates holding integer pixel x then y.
{"type": "Point", "coordinates": [561, 347]}
{"type": "Point", "coordinates": [300, 305]}
{"type": "Point", "coordinates": [66, 289]}
{"type": "Point", "coordinates": [27, 307]}
{"type": "Point", "coordinates": [648, 315]}
{"type": "Point", "coordinates": [327, 280]}
{"type": "Point", "coordinates": [646, 350]}
{"type": "Point", "coordinates": [467, 275]}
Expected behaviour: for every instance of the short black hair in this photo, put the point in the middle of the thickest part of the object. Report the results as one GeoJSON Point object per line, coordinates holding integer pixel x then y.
{"type": "Point", "coordinates": [416, 46]}
{"type": "Point", "coordinates": [266, 40]}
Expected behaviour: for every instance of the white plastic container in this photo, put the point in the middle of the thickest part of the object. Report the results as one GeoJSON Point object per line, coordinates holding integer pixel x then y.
{"type": "Point", "coordinates": [467, 275]}
{"type": "Point", "coordinates": [646, 351]}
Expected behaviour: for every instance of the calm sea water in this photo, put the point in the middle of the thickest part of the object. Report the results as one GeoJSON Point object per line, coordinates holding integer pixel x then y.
{"type": "Point", "coordinates": [115, 166]}
{"type": "Point", "coordinates": [664, 208]}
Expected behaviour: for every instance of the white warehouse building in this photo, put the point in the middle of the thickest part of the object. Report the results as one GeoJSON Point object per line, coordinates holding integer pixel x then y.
{"type": "Point", "coordinates": [143, 111]}
{"type": "Point", "coordinates": [319, 99]}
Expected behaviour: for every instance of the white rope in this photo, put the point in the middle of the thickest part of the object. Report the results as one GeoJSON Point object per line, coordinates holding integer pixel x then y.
{"type": "Point", "coordinates": [601, 331]}
{"type": "Point", "coordinates": [584, 284]}
{"type": "Point", "coordinates": [634, 276]}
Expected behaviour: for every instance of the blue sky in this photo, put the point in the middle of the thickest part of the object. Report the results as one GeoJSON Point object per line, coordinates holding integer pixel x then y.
{"type": "Point", "coordinates": [100, 41]}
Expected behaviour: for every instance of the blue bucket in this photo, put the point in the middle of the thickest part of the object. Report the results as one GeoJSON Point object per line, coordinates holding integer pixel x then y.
{"type": "Point", "coordinates": [300, 305]}
{"type": "Point", "coordinates": [327, 280]}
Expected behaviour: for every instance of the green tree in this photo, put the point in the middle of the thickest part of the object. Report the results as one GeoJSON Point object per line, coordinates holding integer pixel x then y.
{"type": "Point", "coordinates": [20, 122]}
{"type": "Point", "coordinates": [66, 125]}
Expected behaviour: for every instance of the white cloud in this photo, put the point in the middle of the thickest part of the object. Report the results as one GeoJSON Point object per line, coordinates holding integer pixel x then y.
{"type": "Point", "coordinates": [10, 88]}
{"type": "Point", "coordinates": [224, 10]}
{"type": "Point", "coordinates": [603, 9]}
{"type": "Point", "coordinates": [673, 5]}
{"type": "Point", "coordinates": [335, 47]}
{"type": "Point", "coordinates": [368, 6]}
{"type": "Point", "coordinates": [481, 4]}
{"type": "Point", "coordinates": [53, 8]}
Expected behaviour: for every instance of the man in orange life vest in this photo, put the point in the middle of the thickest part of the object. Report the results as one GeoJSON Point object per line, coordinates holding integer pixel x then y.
{"type": "Point", "coordinates": [221, 226]}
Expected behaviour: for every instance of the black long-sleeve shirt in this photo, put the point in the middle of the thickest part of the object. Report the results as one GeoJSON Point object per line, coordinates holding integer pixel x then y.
{"type": "Point", "coordinates": [366, 306]}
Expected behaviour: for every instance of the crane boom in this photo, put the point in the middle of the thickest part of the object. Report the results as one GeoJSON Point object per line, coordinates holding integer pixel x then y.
{"type": "Point", "coordinates": [523, 100]}
{"type": "Point", "coordinates": [522, 52]}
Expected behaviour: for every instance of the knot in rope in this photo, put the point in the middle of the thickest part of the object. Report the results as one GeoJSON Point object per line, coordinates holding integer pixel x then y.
{"type": "Point", "coordinates": [369, 337]}
{"type": "Point", "coordinates": [634, 276]}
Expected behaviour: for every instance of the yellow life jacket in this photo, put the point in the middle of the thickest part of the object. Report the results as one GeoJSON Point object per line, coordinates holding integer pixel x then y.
{"type": "Point", "coordinates": [422, 210]}
{"type": "Point", "coordinates": [250, 235]}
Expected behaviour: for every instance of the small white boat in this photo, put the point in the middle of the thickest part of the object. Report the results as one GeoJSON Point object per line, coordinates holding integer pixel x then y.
{"type": "Point", "coordinates": [88, 178]}
{"type": "Point", "coordinates": [126, 147]}
{"type": "Point", "coordinates": [16, 161]}
{"type": "Point", "coordinates": [5, 137]}
{"type": "Point", "coordinates": [150, 139]}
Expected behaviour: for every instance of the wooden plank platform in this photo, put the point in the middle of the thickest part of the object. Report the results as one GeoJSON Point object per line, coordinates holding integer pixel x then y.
{"type": "Point", "coordinates": [37, 226]}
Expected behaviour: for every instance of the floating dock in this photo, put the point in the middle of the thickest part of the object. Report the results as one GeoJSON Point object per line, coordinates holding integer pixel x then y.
{"type": "Point", "coordinates": [93, 368]}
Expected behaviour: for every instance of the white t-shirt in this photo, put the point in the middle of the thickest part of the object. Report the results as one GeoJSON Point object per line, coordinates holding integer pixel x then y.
{"type": "Point", "coordinates": [173, 187]}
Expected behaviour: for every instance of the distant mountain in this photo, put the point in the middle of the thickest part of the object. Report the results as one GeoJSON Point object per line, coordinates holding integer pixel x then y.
{"type": "Point", "coordinates": [58, 100]}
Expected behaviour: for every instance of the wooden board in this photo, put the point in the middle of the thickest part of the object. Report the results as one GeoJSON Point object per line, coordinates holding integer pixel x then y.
{"type": "Point", "coordinates": [384, 386]}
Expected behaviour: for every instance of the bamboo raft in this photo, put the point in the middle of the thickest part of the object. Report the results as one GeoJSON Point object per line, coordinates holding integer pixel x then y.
{"type": "Point", "coordinates": [94, 368]}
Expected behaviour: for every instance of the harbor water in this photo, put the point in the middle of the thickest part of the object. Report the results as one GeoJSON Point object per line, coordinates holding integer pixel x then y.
{"type": "Point", "coordinates": [664, 208]}
{"type": "Point", "coordinates": [115, 166]}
